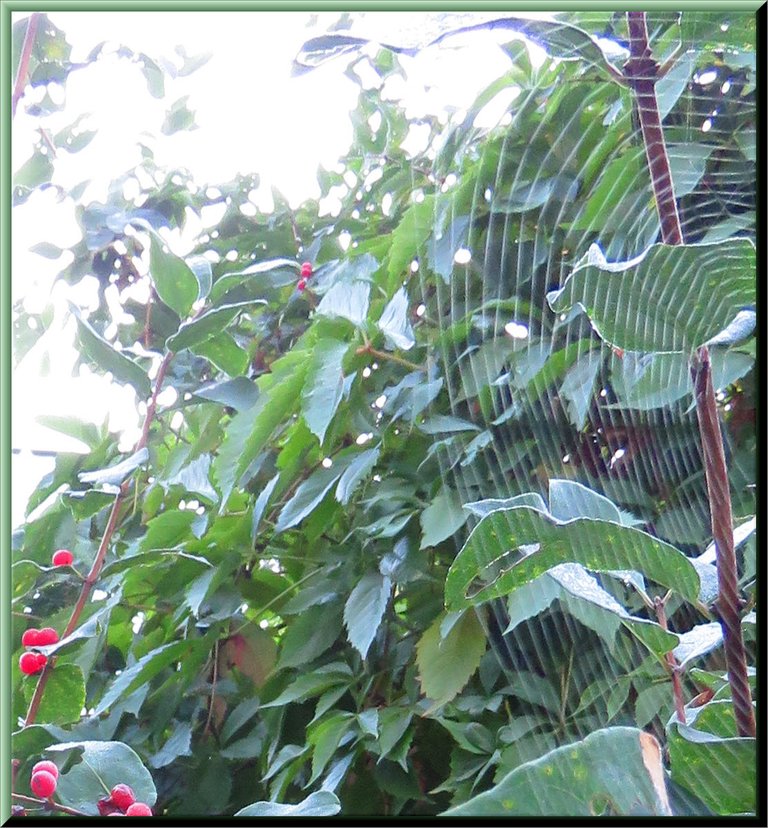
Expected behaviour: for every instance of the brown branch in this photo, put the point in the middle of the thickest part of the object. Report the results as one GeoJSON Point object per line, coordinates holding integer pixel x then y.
{"type": "Point", "coordinates": [101, 554]}
{"type": "Point", "coordinates": [728, 603]}
{"type": "Point", "coordinates": [642, 72]}
{"type": "Point", "coordinates": [48, 804]}
{"type": "Point", "coordinates": [26, 54]}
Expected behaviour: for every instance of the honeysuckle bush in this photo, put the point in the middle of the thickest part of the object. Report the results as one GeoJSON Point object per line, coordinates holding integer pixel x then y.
{"type": "Point", "coordinates": [422, 536]}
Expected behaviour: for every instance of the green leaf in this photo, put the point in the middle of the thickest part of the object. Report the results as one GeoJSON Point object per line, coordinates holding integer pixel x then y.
{"type": "Point", "coordinates": [569, 499]}
{"type": "Point", "coordinates": [358, 468]}
{"type": "Point", "coordinates": [239, 393]}
{"type": "Point", "coordinates": [348, 301]}
{"type": "Point", "coordinates": [485, 507]}
{"type": "Point", "coordinates": [653, 302]}
{"type": "Point", "coordinates": [616, 771]}
{"type": "Point", "coordinates": [167, 529]}
{"type": "Point", "coordinates": [534, 689]}
{"type": "Point", "coordinates": [721, 772]}
{"type": "Point", "coordinates": [203, 271]}
{"type": "Point", "coordinates": [444, 424]}
{"type": "Point", "coordinates": [324, 386]}
{"type": "Point", "coordinates": [488, 566]}
{"type": "Point", "coordinates": [577, 387]}
{"type": "Point", "coordinates": [107, 358]}
{"type": "Point", "coordinates": [365, 609]}
{"type": "Point", "coordinates": [441, 518]}
{"type": "Point", "coordinates": [207, 325]}
{"type": "Point", "coordinates": [175, 282]}
{"type": "Point", "coordinates": [102, 765]}
{"type": "Point", "coordinates": [313, 684]}
{"type": "Point", "coordinates": [447, 664]}
{"type": "Point", "coordinates": [249, 430]}
{"type": "Point", "coordinates": [576, 581]}
{"type": "Point", "coordinates": [308, 496]}
{"type": "Point", "coordinates": [114, 475]}
{"type": "Point", "coordinates": [309, 636]}
{"type": "Point", "coordinates": [325, 737]}
{"type": "Point", "coordinates": [698, 641]}
{"type": "Point", "coordinates": [318, 804]}
{"type": "Point", "coordinates": [394, 323]}
{"type": "Point", "coordinates": [646, 381]}
{"type": "Point", "coordinates": [143, 671]}
{"type": "Point", "coordinates": [224, 352]}
{"type": "Point", "coordinates": [64, 695]}
{"type": "Point", "coordinates": [413, 230]}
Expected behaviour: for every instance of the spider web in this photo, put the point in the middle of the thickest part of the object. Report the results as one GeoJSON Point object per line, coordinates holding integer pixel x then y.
{"type": "Point", "coordinates": [540, 404]}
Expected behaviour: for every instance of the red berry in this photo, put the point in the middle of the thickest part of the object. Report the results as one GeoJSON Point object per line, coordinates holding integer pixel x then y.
{"type": "Point", "coordinates": [29, 663]}
{"type": "Point", "coordinates": [123, 796]}
{"type": "Point", "coordinates": [62, 557]}
{"type": "Point", "coordinates": [47, 766]}
{"type": "Point", "coordinates": [139, 809]}
{"type": "Point", "coordinates": [306, 269]}
{"type": "Point", "coordinates": [47, 636]}
{"type": "Point", "coordinates": [42, 660]}
{"type": "Point", "coordinates": [302, 284]}
{"type": "Point", "coordinates": [42, 784]}
{"type": "Point", "coordinates": [31, 638]}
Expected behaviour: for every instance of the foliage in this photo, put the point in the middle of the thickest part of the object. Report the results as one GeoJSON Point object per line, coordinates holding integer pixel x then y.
{"type": "Point", "coordinates": [282, 624]}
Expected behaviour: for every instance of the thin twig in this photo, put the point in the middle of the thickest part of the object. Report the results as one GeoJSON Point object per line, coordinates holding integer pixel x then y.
{"type": "Point", "coordinates": [49, 804]}
{"type": "Point", "coordinates": [26, 54]}
{"type": "Point", "coordinates": [674, 669]}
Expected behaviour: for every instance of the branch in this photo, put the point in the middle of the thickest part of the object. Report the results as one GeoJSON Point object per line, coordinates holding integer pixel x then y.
{"type": "Point", "coordinates": [49, 804]}
{"type": "Point", "coordinates": [101, 554]}
{"type": "Point", "coordinates": [642, 72]}
{"type": "Point", "coordinates": [728, 603]}
{"type": "Point", "coordinates": [26, 54]}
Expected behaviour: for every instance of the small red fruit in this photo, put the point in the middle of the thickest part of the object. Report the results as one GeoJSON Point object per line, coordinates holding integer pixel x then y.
{"type": "Point", "coordinates": [30, 663]}
{"type": "Point", "coordinates": [139, 809]}
{"type": "Point", "coordinates": [47, 636]}
{"type": "Point", "coordinates": [47, 766]}
{"type": "Point", "coordinates": [107, 807]}
{"type": "Point", "coordinates": [306, 270]}
{"type": "Point", "coordinates": [31, 638]}
{"type": "Point", "coordinates": [42, 784]}
{"type": "Point", "coordinates": [62, 557]}
{"type": "Point", "coordinates": [123, 796]}
{"type": "Point", "coordinates": [302, 284]}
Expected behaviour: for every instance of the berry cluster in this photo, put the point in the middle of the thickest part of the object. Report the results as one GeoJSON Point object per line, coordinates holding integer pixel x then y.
{"type": "Point", "coordinates": [122, 802]}
{"type": "Point", "coordinates": [44, 778]}
{"type": "Point", "coordinates": [31, 663]}
{"type": "Point", "coordinates": [306, 272]}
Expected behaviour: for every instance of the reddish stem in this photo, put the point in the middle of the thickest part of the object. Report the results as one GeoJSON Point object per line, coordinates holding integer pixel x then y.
{"type": "Point", "coordinates": [101, 554]}
{"type": "Point", "coordinates": [728, 602]}
{"type": "Point", "coordinates": [26, 54]}
{"type": "Point", "coordinates": [49, 804]}
{"type": "Point", "coordinates": [677, 685]}
{"type": "Point", "coordinates": [642, 72]}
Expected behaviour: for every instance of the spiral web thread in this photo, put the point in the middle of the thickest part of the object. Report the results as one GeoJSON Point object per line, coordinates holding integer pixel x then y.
{"type": "Point", "coordinates": [527, 229]}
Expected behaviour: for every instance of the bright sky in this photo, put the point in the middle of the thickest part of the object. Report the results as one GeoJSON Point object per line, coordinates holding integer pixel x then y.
{"type": "Point", "coordinates": [252, 116]}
